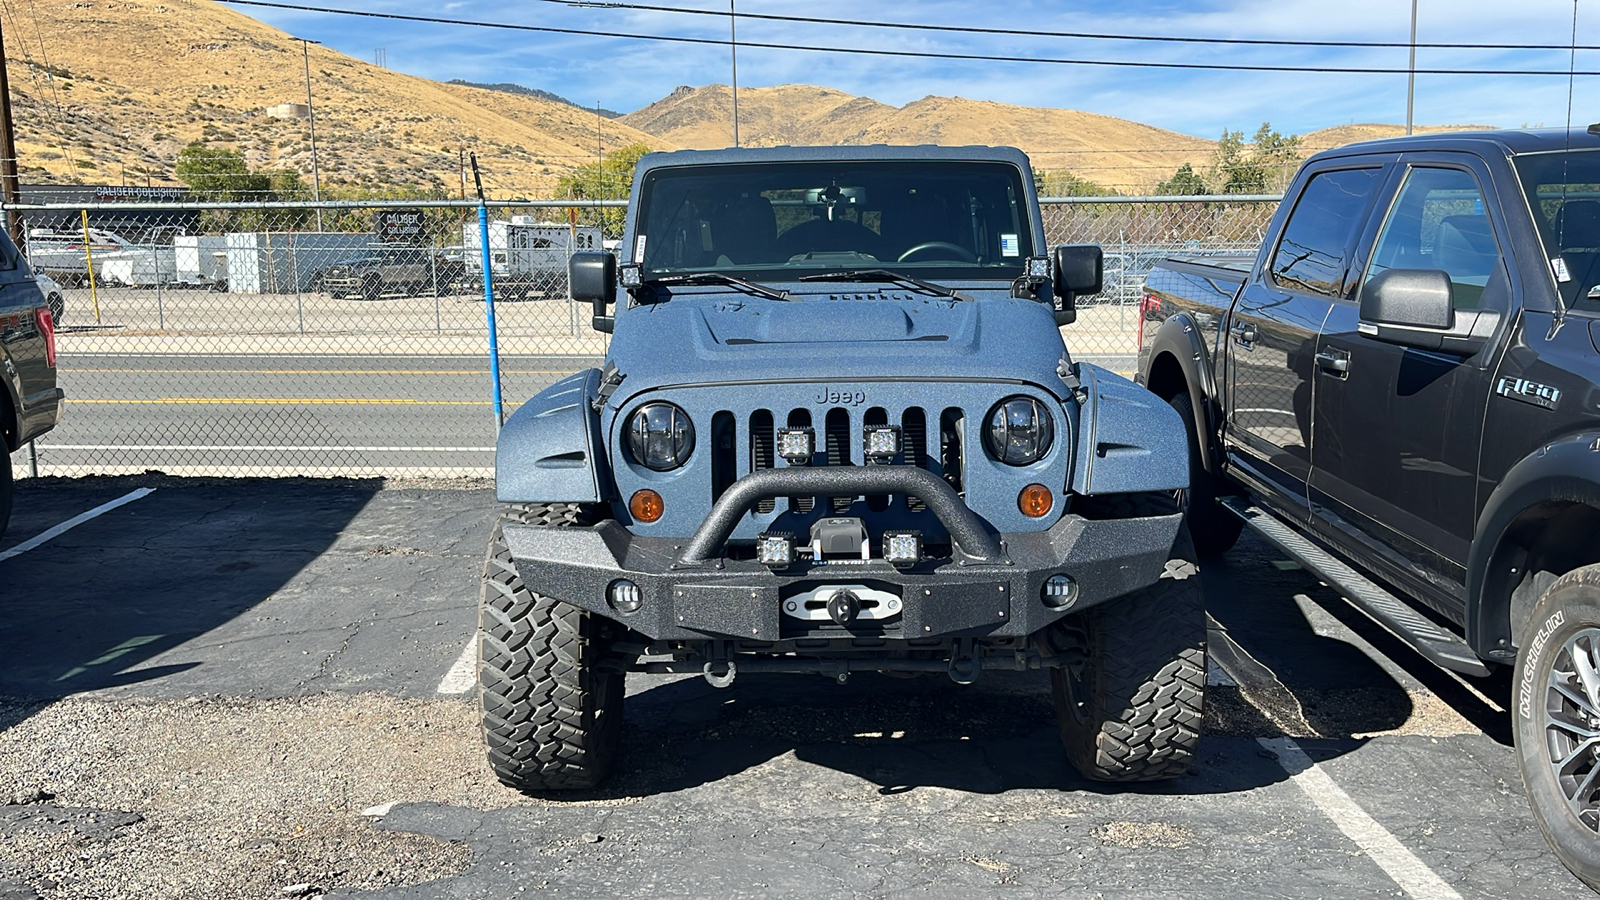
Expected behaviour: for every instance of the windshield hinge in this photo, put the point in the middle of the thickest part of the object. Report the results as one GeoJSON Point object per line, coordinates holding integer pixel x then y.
{"type": "Point", "coordinates": [610, 379]}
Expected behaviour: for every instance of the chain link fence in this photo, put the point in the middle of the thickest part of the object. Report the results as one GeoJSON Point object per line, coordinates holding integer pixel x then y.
{"type": "Point", "coordinates": [352, 339]}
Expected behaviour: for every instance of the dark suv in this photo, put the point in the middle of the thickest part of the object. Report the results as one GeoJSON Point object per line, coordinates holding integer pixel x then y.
{"type": "Point", "coordinates": [391, 270]}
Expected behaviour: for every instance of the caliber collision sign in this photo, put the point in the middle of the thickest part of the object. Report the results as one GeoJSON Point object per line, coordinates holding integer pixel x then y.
{"type": "Point", "coordinates": [399, 226]}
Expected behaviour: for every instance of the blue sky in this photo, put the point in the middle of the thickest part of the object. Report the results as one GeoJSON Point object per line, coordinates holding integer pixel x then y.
{"type": "Point", "coordinates": [627, 74]}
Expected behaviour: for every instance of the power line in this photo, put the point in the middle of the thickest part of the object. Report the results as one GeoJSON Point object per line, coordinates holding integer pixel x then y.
{"type": "Point", "coordinates": [901, 54]}
{"type": "Point", "coordinates": [1084, 35]}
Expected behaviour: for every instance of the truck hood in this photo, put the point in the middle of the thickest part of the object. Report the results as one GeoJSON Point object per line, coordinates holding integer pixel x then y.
{"type": "Point", "coordinates": [722, 338]}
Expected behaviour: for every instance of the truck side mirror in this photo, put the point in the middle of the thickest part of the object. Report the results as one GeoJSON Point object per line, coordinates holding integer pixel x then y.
{"type": "Point", "coordinates": [1410, 307]}
{"type": "Point", "coordinates": [592, 275]}
{"type": "Point", "coordinates": [1075, 269]}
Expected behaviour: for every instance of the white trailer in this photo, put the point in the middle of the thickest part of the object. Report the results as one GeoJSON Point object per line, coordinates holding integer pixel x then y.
{"type": "Point", "coordinates": [527, 256]}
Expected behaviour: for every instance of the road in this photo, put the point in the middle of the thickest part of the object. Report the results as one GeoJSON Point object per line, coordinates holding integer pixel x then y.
{"type": "Point", "coordinates": [267, 674]}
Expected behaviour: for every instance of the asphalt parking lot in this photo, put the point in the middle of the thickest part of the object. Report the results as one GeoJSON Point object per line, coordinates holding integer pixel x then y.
{"type": "Point", "coordinates": [230, 688]}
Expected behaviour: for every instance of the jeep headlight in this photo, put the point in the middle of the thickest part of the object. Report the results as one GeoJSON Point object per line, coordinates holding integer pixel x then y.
{"type": "Point", "coordinates": [1019, 431]}
{"type": "Point", "coordinates": [660, 436]}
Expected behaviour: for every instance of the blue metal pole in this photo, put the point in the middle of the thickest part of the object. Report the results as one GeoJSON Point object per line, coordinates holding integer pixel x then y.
{"type": "Point", "coordinates": [488, 306]}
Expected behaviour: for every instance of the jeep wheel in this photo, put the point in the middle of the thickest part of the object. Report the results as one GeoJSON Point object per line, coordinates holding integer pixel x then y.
{"type": "Point", "coordinates": [1213, 529]}
{"type": "Point", "coordinates": [6, 488]}
{"type": "Point", "coordinates": [1557, 719]}
{"type": "Point", "coordinates": [1132, 710]}
{"type": "Point", "coordinates": [551, 694]}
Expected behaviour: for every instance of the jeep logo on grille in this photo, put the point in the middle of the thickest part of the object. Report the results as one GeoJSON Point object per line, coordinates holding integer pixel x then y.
{"type": "Point", "coordinates": [832, 396]}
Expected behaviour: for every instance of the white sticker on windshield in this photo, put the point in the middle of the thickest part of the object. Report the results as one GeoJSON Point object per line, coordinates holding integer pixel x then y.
{"type": "Point", "coordinates": [1009, 245]}
{"type": "Point", "coordinates": [638, 250]}
{"type": "Point", "coordinates": [1559, 266]}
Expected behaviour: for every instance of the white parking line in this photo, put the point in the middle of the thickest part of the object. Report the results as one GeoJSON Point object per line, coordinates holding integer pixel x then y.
{"type": "Point", "coordinates": [464, 674]}
{"type": "Point", "coordinates": [1410, 873]}
{"type": "Point", "coordinates": [74, 522]}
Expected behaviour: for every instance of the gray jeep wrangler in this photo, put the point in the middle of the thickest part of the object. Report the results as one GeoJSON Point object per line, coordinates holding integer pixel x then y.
{"type": "Point", "coordinates": [837, 431]}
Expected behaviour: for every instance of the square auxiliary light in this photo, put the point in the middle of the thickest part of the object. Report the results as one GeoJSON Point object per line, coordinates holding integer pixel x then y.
{"type": "Point", "coordinates": [630, 275]}
{"type": "Point", "coordinates": [796, 445]}
{"type": "Point", "coordinates": [881, 442]}
{"type": "Point", "coordinates": [902, 548]}
{"type": "Point", "coordinates": [775, 549]}
{"type": "Point", "coordinates": [1039, 267]}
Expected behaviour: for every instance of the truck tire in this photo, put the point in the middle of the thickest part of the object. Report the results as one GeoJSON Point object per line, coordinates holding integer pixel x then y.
{"type": "Point", "coordinates": [6, 488]}
{"type": "Point", "coordinates": [1213, 529]}
{"type": "Point", "coordinates": [1132, 711]}
{"type": "Point", "coordinates": [1557, 720]}
{"type": "Point", "coordinates": [552, 707]}
{"type": "Point", "coordinates": [372, 287]}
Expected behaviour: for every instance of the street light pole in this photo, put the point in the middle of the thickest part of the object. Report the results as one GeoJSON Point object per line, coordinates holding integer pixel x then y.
{"type": "Point", "coordinates": [311, 113]}
{"type": "Point", "coordinates": [1411, 75]}
{"type": "Point", "coordinates": [733, 38]}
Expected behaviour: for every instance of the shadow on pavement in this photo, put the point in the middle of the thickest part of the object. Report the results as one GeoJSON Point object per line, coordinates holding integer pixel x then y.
{"type": "Point", "coordinates": [85, 609]}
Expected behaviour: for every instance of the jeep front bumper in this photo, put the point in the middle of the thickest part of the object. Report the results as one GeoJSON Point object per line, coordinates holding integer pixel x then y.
{"type": "Point", "coordinates": [991, 586]}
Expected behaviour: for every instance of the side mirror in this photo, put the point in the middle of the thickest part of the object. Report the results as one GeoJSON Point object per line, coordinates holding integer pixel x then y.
{"type": "Point", "coordinates": [1075, 269]}
{"type": "Point", "coordinates": [592, 275]}
{"type": "Point", "coordinates": [1409, 307]}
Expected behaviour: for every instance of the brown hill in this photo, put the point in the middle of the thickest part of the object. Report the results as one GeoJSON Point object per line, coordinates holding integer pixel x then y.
{"type": "Point", "coordinates": [1103, 149]}
{"type": "Point", "coordinates": [1339, 135]}
{"type": "Point", "coordinates": [108, 90]}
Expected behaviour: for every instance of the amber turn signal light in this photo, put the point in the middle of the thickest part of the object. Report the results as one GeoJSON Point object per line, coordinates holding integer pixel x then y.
{"type": "Point", "coordinates": [1035, 501]}
{"type": "Point", "coordinates": [646, 506]}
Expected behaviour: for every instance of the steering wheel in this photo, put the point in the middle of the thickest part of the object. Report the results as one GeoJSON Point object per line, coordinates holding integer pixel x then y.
{"type": "Point", "coordinates": [955, 251]}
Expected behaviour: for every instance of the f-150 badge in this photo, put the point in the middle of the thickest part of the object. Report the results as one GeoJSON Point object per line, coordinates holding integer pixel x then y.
{"type": "Point", "coordinates": [1529, 392]}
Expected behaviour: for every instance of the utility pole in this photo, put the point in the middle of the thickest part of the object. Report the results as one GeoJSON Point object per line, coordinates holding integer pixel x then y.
{"type": "Point", "coordinates": [311, 113]}
{"type": "Point", "coordinates": [10, 188]}
{"type": "Point", "coordinates": [733, 38]}
{"type": "Point", "coordinates": [1411, 76]}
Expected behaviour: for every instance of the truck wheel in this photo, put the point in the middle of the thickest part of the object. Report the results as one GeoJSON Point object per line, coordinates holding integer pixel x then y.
{"type": "Point", "coordinates": [6, 488]}
{"type": "Point", "coordinates": [1132, 710]}
{"type": "Point", "coordinates": [1557, 718]}
{"type": "Point", "coordinates": [1213, 529]}
{"type": "Point", "coordinates": [552, 709]}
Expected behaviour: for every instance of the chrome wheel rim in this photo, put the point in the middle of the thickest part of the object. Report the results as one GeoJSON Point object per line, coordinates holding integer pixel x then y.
{"type": "Point", "coordinates": [1572, 724]}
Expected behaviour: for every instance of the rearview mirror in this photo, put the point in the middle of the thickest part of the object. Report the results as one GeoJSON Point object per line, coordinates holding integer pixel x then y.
{"type": "Point", "coordinates": [1075, 269]}
{"type": "Point", "coordinates": [592, 275]}
{"type": "Point", "coordinates": [1409, 307]}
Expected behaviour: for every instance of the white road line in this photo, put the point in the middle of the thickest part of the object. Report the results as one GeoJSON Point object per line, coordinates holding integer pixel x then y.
{"type": "Point", "coordinates": [74, 522]}
{"type": "Point", "coordinates": [1410, 873]}
{"type": "Point", "coordinates": [265, 447]}
{"type": "Point", "coordinates": [463, 676]}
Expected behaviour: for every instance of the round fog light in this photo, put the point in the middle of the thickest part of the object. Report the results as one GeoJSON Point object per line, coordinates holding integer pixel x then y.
{"type": "Point", "coordinates": [1035, 501]}
{"type": "Point", "coordinates": [1059, 591]}
{"type": "Point", "coordinates": [646, 506]}
{"type": "Point", "coordinates": [624, 596]}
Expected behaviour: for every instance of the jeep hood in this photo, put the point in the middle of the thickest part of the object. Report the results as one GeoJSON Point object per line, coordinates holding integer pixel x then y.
{"type": "Point", "coordinates": [722, 339]}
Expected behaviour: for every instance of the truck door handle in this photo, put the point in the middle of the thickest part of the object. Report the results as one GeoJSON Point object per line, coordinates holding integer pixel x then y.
{"type": "Point", "coordinates": [1335, 362]}
{"type": "Point", "coordinates": [1245, 334]}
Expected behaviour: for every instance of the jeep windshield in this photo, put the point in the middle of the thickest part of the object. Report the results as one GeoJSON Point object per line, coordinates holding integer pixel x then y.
{"type": "Point", "coordinates": [783, 221]}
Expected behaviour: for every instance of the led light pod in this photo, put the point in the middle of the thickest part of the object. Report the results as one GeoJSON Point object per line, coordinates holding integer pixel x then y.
{"type": "Point", "coordinates": [796, 444]}
{"type": "Point", "coordinates": [775, 549]}
{"type": "Point", "coordinates": [881, 442]}
{"type": "Point", "coordinates": [902, 548]}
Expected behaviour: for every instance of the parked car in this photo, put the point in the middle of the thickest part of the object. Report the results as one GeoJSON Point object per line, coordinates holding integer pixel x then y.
{"type": "Point", "coordinates": [837, 431]}
{"type": "Point", "coordinates": [52, 296]}
{"type": "Point", "coordinates": [30, 405]}
{"type": "Point", "coordinates": [408, 271]}
{"type": "Point", "coordinates": [1398, 391]}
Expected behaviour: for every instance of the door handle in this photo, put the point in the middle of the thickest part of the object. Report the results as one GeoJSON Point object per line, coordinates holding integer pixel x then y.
{"type": "Point", "coordinates": [1336, 362]}
{"type": "Point", "coordinates": [1245, 333]}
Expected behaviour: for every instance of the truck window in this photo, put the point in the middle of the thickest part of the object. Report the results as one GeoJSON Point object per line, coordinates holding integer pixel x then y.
{"type": "Point", "coordinates": [1438, 222]}
{"type": "Point", "coordinates": [1564, 193]}
{"type": "Point", "coordinates": [1311, 255]}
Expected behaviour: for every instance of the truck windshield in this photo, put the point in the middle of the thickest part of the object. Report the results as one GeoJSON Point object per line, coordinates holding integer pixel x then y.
{"type": "Point", "coordinates": [1564, 191]}
{"type": "Point", "coordinates": [778, 221]}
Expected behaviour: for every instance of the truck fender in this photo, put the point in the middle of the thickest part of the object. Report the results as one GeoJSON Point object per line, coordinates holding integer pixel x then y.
{"type": "Point", "coordinates": [10, 404]}
{"type": "Point", "coordinates": [549, 450]}
{"type": "Point", "coordinates": [1566, 470]}
{"type": "Point", "coordinates": [1129, 439]}
{"type": "Point", "coordinates": [1178, 339]}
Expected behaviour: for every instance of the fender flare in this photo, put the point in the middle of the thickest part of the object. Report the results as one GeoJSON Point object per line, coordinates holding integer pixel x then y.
{"type": "Point", "coordinates": [1129, 440]}
{"type": "Point", "coordinates": [1179, 337]}
{"type": "Point", "coordinates": [549, 450]}
{"type": "Point", "coordinates": [1566, 469]}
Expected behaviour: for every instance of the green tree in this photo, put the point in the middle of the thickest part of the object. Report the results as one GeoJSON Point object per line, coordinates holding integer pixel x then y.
{"type": "Point", "coordinates": [1061, 183]}
{"type": "Point", "coordinates": [1264, 165]}
{"type": "Point", "coordinates": [222, 175]}
{"type": "Point", "coordinates": [1184, 183]}
{"type": "Point", "coordinates": [608, 178]}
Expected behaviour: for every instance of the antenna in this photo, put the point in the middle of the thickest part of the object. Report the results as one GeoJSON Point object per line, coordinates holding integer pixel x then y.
{"type": "Point", "coordinates": [380, 57]}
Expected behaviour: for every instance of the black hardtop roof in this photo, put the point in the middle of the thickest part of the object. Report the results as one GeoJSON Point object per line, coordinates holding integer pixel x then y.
{"type": "Point", "coordinates": [862, 153]}
{"type": "Point", "coordinates": [1507, 141]}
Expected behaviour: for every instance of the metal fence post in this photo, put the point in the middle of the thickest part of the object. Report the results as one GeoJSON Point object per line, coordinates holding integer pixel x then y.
{"type": "Point", "coordinates": [488, 306]}
{"type": "Point", "coordinates": [433, 272]}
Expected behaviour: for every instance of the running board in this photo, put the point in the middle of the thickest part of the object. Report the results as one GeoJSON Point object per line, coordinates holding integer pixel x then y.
{"type": "Point", "coordinates": [1438, 645]}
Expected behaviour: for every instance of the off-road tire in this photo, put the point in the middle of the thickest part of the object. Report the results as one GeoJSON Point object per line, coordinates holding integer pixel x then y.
{"type": "Point", "coordinates": [551, 695]}
{"type": "Point", "coordinates": [1213, 529]}
{"type": "Point", "coordinates": [1566, 616]}
{"type": "Point", "coordinates": [6, 487]}
{"type": "Point", "coordinates": [1133, 712]}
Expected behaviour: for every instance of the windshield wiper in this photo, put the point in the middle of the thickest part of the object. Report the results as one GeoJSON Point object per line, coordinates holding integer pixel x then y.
{"type": "Point", "coordinates": [718, 278]}
{"type": "Point", "coordinates": [886, 275]}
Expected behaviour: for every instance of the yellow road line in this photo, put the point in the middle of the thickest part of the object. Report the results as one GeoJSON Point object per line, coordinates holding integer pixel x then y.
{"type": "Point", "coordinates": [286, 401]}
{"type": "Point", "coordinates": [326, 371]}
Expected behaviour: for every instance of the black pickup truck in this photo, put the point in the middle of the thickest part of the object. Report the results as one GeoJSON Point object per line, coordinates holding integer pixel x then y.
{"type": "Point", "coordinates": [1402, 391]}
{"type": "Point", "coordinates": [30, 402]}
